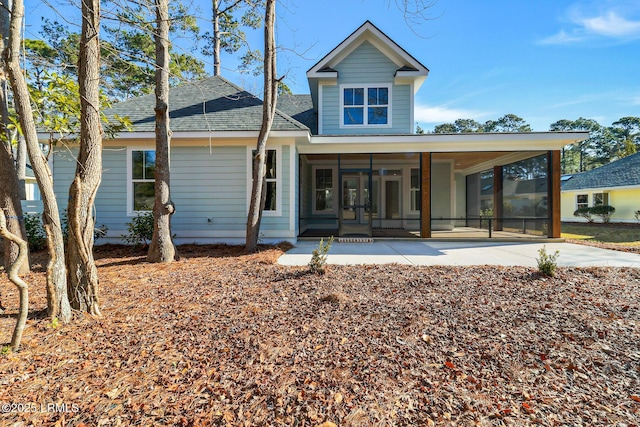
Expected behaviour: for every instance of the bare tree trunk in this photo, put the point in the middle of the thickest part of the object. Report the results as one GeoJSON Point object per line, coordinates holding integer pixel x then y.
{"type": "Point", "coordinates": [57, 298]}
{"type": "Point", "coordinates": [161, 248]}
{"type": "Point", "coordinates": [268, 112]}
{"type": "Point", "coordinates": [82, 274]}
{"type": "Point", "coordinates": [216, 37]}
{"type": "Point", "coordinates": [23, 289]}
{"type": "Point", "coordinates": [10, 188]}
{"type": "Point", "coordinates": [21, 166]}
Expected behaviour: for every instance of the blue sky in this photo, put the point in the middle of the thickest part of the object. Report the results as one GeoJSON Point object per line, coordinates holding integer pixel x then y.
{"type": "Point", "coordinates": [543, 60]}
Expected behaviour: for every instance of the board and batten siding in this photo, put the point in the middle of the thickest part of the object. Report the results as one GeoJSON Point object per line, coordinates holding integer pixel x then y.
{"type": "Point", "coordinates": [366, 65]}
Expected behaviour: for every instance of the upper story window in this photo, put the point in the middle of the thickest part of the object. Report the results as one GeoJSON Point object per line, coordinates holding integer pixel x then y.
{"type": "Point", "coordinates": [366, 105]}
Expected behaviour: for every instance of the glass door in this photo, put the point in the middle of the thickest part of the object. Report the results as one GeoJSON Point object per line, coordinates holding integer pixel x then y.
{"type": "Point", "coordinates": [355, 203]}
{"type": "Point", "coordinates": [392, 202]}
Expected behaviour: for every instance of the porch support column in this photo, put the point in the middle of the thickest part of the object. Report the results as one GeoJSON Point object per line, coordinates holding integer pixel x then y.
{"type": "Point", "coordinates": [497, 198]}
{"type": "Point", "coordinates": [553, 198]}
{"type": "Point", "coordinates": [425, 194]}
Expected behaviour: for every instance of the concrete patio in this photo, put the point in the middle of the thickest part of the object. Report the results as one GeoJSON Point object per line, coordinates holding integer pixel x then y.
{"type": "Point", "coordinates": [460, 253]}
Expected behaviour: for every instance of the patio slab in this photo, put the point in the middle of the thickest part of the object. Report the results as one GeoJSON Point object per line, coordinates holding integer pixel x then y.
{"type": "Point", "coordinates": [459, 253]}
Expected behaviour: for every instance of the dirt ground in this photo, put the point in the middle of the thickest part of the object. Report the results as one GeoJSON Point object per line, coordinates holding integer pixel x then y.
{"type": "Point", "coordinates": [226, 338]}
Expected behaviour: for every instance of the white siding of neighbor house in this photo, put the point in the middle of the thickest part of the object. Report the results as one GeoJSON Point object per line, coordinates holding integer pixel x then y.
{"type": "Point", "coordinates": [366, 65]}
{"type": "Point", "coordinates": [209, 189]}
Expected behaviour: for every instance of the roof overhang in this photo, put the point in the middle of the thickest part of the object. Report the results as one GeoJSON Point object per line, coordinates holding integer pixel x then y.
{"type": "Point", "coordinates": [324, 69]}
{"type": "Point", "coordinates": [442, 143]}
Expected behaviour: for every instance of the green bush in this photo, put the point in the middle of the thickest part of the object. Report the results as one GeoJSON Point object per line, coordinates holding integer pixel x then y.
{"type": "Point", "coordinates": [319, 257]}
{"type": "Point", "coordinates": [547, 264]}
{"type": "Point", "coordinates": [36, 236]}
{"type": "Point", "coordinates": [140, 230]}
{"type": "Point", "coordinates": [603, 211]}
{"type": "Point", "coordinates": [636, 214]}
{"type": "Point", "coordinates": [584, 213]}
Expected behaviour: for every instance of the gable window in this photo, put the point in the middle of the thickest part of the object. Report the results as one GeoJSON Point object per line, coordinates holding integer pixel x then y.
{"type": "Point", "coordinates": [582, 201]}
{"type": "Point", "coordinates": [365, 105]}
{"type": "Point", "coordinates": [143, 169]}
{"type": "Point", "coordinates": [323, 187]}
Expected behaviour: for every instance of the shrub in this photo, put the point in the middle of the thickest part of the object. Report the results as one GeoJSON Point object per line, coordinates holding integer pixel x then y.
{"type": "Point", "coordinates": [584, 213]}
{"type": "Point", "coordinates": [636, 214]}
{"type": "Point", "coordinates": [36, 236]}
{"type": "Point", "coordinates": [140, 230]}
{"type": "Point", "coordinates": [603, 211]}
{"type": "Point", "coordinates": [547, 264]}
{"type": "Point", "coordinates": [319, 256]}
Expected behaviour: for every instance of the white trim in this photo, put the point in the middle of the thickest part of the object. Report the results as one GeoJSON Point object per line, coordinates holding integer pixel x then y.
{"type": "Point", "coordinates": [130, 150]}
{"type": "Point", "coordinates": [320, 108]}
{"type": "Point", "coordinates": [381, 41]}
{"type": "Point", "coordinates": [293, 184]}
{"type": "Point", "coordinates": [444, 143]}
{"type": "Point", "coordinates": [278, 150]}
{"type": "Point", "coordinates": [365, 106]}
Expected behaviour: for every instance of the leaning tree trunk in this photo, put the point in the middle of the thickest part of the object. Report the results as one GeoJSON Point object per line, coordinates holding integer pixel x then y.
{"type": "Point", "coordinates": [23, 289]}
{"type": "Point", "coordinates": [268, 112]}
{"type": "Point", "coordinates": [161, 248]}
{"type": "Point", "coordinates": [82, 274]}
{"type": "Point", "coordinates": [10, 188]}
{"type": "Point", "coordinates": [57, 298]}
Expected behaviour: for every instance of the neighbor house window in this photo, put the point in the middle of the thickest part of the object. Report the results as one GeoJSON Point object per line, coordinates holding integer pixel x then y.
{"type": "Point", "coordinates": [416, 203]}
{"type": "Point", "coordinates": [600, 199]}
{"type": "Point", "coordinates": [143, 169]}
{"type": "Point", "coordinates": [365, 106]}
{"type": "Point", "coordinates": [582, 201]}
{"type": "Point", "coordinates": [323, 190]}
{"type": "Point", "coordinates": [271, 178]}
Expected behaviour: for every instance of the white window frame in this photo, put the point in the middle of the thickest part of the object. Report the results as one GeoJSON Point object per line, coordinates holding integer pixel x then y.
{"type": "Point", "coordinates": [130, 180]}
{"type": "Point", "coordinates": [277, 180]}
{"type": "Point", "coordinates": [335, 188]}
{"type": "Point", "coordinates": [365, 106]}
{"type": "Point", "coordinates": [605, 198]}
{"type": "Point", "coordinates": [582, 205]}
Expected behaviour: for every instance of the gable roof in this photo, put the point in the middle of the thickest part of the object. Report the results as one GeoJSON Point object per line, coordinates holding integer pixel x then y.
{"type": "Point", "coordinates": [211, 104]}
{"type": "Point", "coordinates": [620, 173]}
{"type": "Point", "coordinates": [367, 31]}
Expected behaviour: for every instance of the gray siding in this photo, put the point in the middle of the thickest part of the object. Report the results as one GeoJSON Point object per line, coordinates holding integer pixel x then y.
{"type": "Point", "coordinates": [367, 65]}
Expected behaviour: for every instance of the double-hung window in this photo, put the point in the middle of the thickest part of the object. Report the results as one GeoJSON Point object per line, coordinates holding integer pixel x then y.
{"type": "Point", "coordinates": [600, 199]}
{"type": "Point", "coordinates": [143, 169]}
{"type": "Point", "coordinates": [582, 201]}
{"type": "Point", "coordinates": [366, 105]}
{"type": "Point", "coordinates": [271, 179]}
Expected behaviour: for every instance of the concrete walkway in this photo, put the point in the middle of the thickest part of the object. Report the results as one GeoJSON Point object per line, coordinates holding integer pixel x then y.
{"type": "Point", "coordinates": [459, 253]}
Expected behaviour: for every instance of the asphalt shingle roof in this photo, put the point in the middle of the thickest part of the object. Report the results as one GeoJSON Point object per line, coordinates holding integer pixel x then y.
{"type": "Point", "coordinates": [623, 172]}
{"type": "Point", "coordinates": [300, 107]}
{"type": "Point", "coordinates": [211, 104]}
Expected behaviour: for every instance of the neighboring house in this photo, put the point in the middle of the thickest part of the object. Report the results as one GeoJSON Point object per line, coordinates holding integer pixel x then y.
{"type": "Point", "coordinates": [32, 203]}
{"type": "Point", "coordinates": [616, 184]}
{"type": "Point", "coordinates": [343, 160]}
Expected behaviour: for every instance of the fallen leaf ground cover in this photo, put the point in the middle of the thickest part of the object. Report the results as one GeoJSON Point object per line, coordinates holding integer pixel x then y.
{"type": "Point", "coordinates": [226, 338]}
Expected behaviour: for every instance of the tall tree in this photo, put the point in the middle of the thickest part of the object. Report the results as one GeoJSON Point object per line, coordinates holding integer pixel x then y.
{"type": "Point", "coordinates": [459, 126]}
{"type": "Point", "coordinates": [584, 150]}
{"type": "Point", "coordinates": [162, 248]}
{"type": "Point", "coordinates": [627, 131]}
{"type": "Point", "coordinates": [258, 193]}
{"type": "Point", "coordinates": [507, 123]}
{"type": "Point", "coordinates": [227, 32]}
{"type": "Point", "coordinates": [57, 299]}
{"type": "Point", "coordinates": [10, 188]}
{"type": "Point", "coordinates": [82, 272]}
